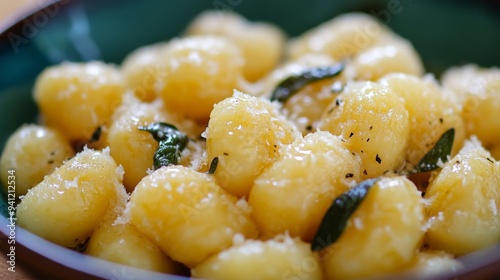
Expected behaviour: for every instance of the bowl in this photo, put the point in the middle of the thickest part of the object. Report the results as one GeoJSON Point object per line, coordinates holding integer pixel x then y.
{"type": "Point", "coordinates": [445, 33]}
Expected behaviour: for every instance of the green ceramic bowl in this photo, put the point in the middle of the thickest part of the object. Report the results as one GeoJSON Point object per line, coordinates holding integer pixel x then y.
{"type": "Point", "coordinates": [445, 33]}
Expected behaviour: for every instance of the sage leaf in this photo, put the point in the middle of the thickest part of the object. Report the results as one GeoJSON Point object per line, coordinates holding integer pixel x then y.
{"type": "Point", "coordinates": [292, 84]}
{"type": "Point", "coordinates": [336, 217]}
{"type": "Point", "coordinates": [213, 165]}
{"type": "Point", "coordinates": [438, 154]}
{"type": "Point", "coordinates": [96, 135]}
{"type": "Point", "coordinates": [171, 143]}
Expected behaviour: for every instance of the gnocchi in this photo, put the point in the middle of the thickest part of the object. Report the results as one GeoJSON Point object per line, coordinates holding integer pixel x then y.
{"type": "Point", "coordinates": [278, 258]}
{"type": "Point", "coordinates": [462, 202]}
{"type": "Point", "coordinates": [382, 235]}
{"type": "Point", "coordinates": [313, 171]}
{"type": "Point", "coordinates": [34, 151]}
{"type": "Point", "coordinates": [85, 94]}
{"type": "Point", "coordinates": [370, 117]}
{"type": "Point", "coordinates": [89, 186]}
{"type": "Point", "coordinates": [246, 134]}
{"type": "Point", "coordinates": [233, 152]}
{"type": "Point", "coordinates": [170, 206]}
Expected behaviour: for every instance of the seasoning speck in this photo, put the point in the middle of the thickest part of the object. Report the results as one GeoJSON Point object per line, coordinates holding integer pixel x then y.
{"type": "Point", "coordinates": [349, 175]}
{"type": "Point", "coordinates": [378, 159]}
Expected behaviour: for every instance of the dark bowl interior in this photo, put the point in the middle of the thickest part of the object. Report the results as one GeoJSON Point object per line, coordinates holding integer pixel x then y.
{"type": "Point", "coordinates": [445, 33]}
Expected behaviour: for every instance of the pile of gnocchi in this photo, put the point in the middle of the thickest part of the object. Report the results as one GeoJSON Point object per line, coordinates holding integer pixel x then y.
{"type": "Point", "coordinates": [234, 152]}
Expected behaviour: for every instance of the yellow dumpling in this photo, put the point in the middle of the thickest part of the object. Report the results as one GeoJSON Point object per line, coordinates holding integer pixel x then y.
{"type": "Point", "coordinates": [478, 93]}
{"type": "Point", "coordinates": [382, 235]}
{"type": "Point", "coordinates": [293, 194]}
{"type": "Point", "coordinates": [373, 122]}
{"type": "Point", "coordinates": [278, 258]}
{"type": "Point", "coordinates": [463, 202]}
{"type": "Point", "coordinates": [261, 43]}
{"type": "Point", "coordinates": [431, 114]}
{"type": "Point", "coordinates": [77, 98]}
{"type": "Point", "coordinates": [245, 133]}
{"type": "Point", "coordinates": [122, 243]}
{"type": "Point", "coordinates": [33, 151]}
{"type": "Point", "coordinates": [129, 146]}
{"type": "Point", "coordinates": [389, 54]}
{"type": "Point", "coordinates": [142, 68]}
{"type": "Point", "coordinates": [187, 214]}
{"type": "Point", "coordinates": [341, 37]}
{"type": "Point", "coordinates": [305, 107]}
{"type": "Point", "coordinates": [199, 71]}
{"type": "Point", "coordinates": [69, 204]}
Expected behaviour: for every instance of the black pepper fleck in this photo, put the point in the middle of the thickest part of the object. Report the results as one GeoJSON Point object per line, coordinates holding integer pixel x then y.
{"type": "Point", "coordinates": [368, 140]}
{"type": "Point", "coordinates": [350, 135]}
{"type": "Point", "coordinates": [364, 172]}
{"type": "Point", "coordinates": [371, 127]}
{"type": "Point", "coordinates": [309, 127]}
{"type": "Point", "coordinates": [50, 162]}
{"type": "Point", "coordinates": [378, 159]}
{"type": "Point", "coordinates": [349, 175]}
{"type": "Point", "coordinates": [441, 120]}
{"type": "Point", "coordinates": [226, 154]}
{"type": "Point", "coordinates": [489, 159]}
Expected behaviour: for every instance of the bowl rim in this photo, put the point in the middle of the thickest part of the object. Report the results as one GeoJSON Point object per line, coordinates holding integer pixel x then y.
{"type": "Point", "coordinates": [25, 11]}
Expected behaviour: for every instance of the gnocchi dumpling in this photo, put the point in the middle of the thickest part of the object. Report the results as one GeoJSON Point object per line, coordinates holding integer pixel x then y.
{"type": "Point", "coordinates": [373, 122]}
{"type": "Point", "coordinates": [389, 54]}
{"type": "Point", "coordinates": [293, 194]}
{"type": "Point", "coordinates": [141, 70]}
{"type": "Point", "coordinates": [261, 43]}
{"type": "Point", "coordinates": [246, 134]}
{"type": "Point", "coordinates": [278, 258]}
{"type": "Point", "coordinates": [33, 151]}
{"type": "Point", "coordinates": [77, 98]}
{"type": "Point", "coordinates": [305, 107]}
{"type": "Point", "coordinates": [478, 93]}
{"type": "Point", "coordinates": [431, 114]}
{"type": "Point", "coordinates": [187, 214]}
{"type": "Point", "coordinates": [122, 243]}
{"type": "Point", "coordinates": [69, 204]}
{"type": "Point", "coordinates": [383, 234]}
{"type": "Point", "coordinates": [341, 37]}
{"type": "Point", "coordinates": [463, 202]}
{"type": "Point", "coordinates": [198, 72]}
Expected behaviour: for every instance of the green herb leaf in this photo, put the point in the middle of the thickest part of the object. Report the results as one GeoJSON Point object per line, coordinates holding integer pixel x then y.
{"type": "Point", "coordinates": [171, 143]}
{"type": "Point", "coordinates": [292, 84]}
{"type": "Point", "coordinates": [335, 219]}
{"type": "Point", "coordinates": [96, 135]}
{"type": "Point", "coordinates": [440, 152]}
{"type": "Point", "coordinates": [213, 165]}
